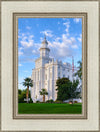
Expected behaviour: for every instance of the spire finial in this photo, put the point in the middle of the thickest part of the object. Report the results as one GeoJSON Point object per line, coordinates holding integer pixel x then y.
{"type": "Point", "coordinates": [44, 41]}
{"type": "Point", "coordinates": [44, 36]}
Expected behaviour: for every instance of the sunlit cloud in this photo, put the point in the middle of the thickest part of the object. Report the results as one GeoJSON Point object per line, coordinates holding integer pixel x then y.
{"type": "Point", "coordinates": [77, 20]}
{"type": "Point", "coordinates": [47, 33]}
{"type": "Point", "coordinates": [26, 39]}
{"type": "Point", "coordinates": [20, 64]}
{"type": "Point", "coordinates": [28, 27]}
{"type": "Point", "coordinates": [80, 38]}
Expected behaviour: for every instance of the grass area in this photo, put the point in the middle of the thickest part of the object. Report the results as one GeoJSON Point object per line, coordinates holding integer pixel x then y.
{"type": "Point", "coordinates": [47, 108]}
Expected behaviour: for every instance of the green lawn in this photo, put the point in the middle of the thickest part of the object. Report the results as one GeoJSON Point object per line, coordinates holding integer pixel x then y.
{"type": "Point", "coordinates": [47, 108]}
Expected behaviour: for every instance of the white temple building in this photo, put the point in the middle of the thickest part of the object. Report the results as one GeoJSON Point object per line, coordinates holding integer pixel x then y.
{"type": "Point", "coordinates": [46, 72]}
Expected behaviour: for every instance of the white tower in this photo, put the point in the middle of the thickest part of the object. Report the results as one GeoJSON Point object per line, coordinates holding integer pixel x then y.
{"type": "Point", "coordinates": [44, 50]}
{"type": "Point", "coordinates": [39, 73]}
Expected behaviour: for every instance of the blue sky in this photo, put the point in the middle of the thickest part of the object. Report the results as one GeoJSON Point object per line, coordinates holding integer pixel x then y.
{"type": "Point", "coordinates": [64, 36]}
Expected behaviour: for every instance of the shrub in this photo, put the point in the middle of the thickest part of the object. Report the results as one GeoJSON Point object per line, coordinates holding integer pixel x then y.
{"type": "Point", "coordinates": [75, 102]}
{"type": "Point", "coordinates": [22, 96]}
{"type": "Point", "coordinates": [58, 101]}
{"type": "Point", "coordinates": [50, 101]}
{"type": "Point", "coordinates": [47, 101]}
{"type": "Point", "coordinates": [31, 101]}
{"type": "Point", "coordinates": [37, 101]}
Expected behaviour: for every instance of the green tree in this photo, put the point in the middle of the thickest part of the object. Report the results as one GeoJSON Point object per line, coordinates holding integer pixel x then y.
{"type": "Point", "coordinates": [19, 91]}
{"type": "Point", "coordinates": [67, 89]}
{"type": "Point", "coordinates": [74, 91]}
{"type": "Point", "coordinates": [22, 96]}
{"type": "Point", "coordinates": [63, 85]}
{"type": "Point", "coordinates": [79, 72]}
{"type": "Point", "coordinates": [43, 92]}
{"type": "Point", "coordinates": [27, 83]}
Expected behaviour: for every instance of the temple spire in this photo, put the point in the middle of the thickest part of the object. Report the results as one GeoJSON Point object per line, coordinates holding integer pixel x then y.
{"type": "Point", "coordinates": [44, 49]}
{"type": "Point", "coordinates": [44, 36]}
{"type": "Point", "coordinates": [44, 41]}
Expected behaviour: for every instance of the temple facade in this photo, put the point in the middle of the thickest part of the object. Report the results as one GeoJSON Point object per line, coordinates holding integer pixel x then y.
{"type": "Point", "coordinates": [46, 72]}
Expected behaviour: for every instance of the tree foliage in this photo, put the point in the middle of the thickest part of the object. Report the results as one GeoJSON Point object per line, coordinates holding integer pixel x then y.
{"type": "Point", "coordinates": [27, 83]}
{"type": "Point", "coordinates": [19, 91]}
{"type": "Point", "coordinates": [79, 72]}
{"type": "Point", "coordinates": [22, 96]}
{"type": "Point", "coordinates": [74, 91]}
{"type": "Point", "coordinates": [43, 92]}
{"type": "Point", "coordinates": [63, 85]}
{"type": "Point", "coordinates": [67, 89]}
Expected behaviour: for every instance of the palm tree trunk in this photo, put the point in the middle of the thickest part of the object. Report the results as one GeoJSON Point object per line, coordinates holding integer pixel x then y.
{"type": "Point", "coordinates": [27, 93]}
{"type": "Point", "coordinates": [43, 98]}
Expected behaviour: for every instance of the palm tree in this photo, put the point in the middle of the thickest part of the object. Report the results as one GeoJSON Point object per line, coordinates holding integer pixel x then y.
{"type": "Point", "coordinates": [79, 72]}
{"type": "Point", "coordinates": [43, 92]}
{"type": "Point", "coordinates": [27, 83]}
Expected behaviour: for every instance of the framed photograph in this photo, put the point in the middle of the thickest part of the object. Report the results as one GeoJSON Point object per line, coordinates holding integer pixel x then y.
{"type": "Point", "coordinates": [47, 74]}
{"type": "Point", "coordinates": [50, 65]}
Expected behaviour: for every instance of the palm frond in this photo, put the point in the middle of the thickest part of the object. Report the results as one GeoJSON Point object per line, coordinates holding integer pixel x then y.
{"type": "Point", "coordinates": [43, 92]}
{"type": "Point", "coordinates": [28, 82]}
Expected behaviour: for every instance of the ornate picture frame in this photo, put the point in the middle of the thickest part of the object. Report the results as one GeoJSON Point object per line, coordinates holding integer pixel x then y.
{"type": "Point", "coordinates": [9, 66]}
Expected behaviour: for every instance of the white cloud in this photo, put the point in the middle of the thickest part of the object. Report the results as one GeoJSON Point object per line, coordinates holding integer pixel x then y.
{"type": "Point", "coordinates": [20, 64]}
{"type": "Point", "coordinates": [47, 33]}
{"type": "Point", "coordinates": [26, 59]}
{"type": "Point", "coordinates": [20, 53]}
{"type": "Point", "coordinates": [77, 20]}
{"type": "Point", "coordinates": [63, 47]}
{"type": "Point", "coordinates": [19, 36]}
{"type": "Point", "coordinates": [27, 40]}
{"type": "Point", "coordinates": [37, 25]}
{"type": "Point", "coordinates": [67, 24]}
{"type": "Point", "coordinates": [21, 48]}
{"type": "Point", "coordinates": [80, 38]}
{"type": "Point", "coordinates": [75, 46]}
{"type": "Point", "coordinates": [26, 46]}
{"type": "Point", "coordinates": [20, 80]}
{"type": "Point", "coordinates": [60, 47]}
{"type": "Point", "coordinates": [28, 27]}
{"type": "Point", "coordinates": [41, 39]}
{"type": "Point", "coordinates": [57, 38]}
{"type": "Point", "coordinates": [26, 71]}
{"type": "Point", "coordinates": [65, 39]}
{"type": "Point", "coordinates": [36, 51]}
